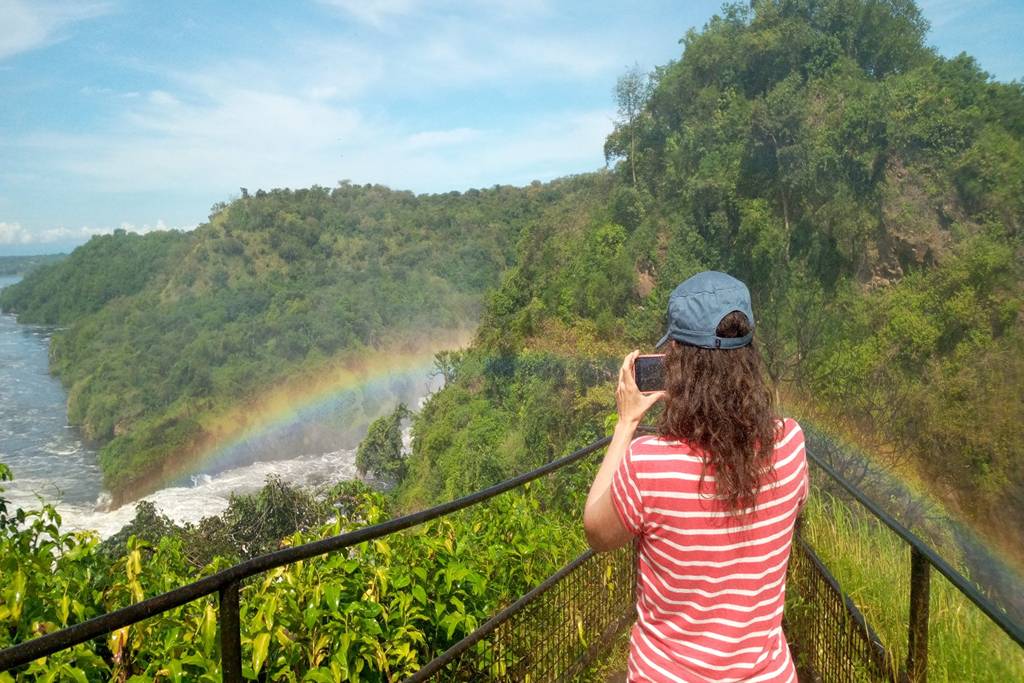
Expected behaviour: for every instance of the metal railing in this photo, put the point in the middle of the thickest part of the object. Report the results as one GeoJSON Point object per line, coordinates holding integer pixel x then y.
{"type": "Point", "coordinates": [554, 631]}
{"type": "Point", "coordinates": [829, 637]}
{"type": "Point", "coordinates": [226, 583]}
{"type": "Point", "coordinates": [836, 641]}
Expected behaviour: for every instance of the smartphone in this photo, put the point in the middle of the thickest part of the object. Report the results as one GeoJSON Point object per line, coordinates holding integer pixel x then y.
{"type": "Point", "coordinates": [649, 371]}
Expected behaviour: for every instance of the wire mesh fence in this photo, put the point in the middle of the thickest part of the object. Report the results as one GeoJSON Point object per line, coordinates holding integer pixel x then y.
{"type": "Point", "coordinates": [930, 628]}
{"type": "Point", "coordinates": [554, 632]}
{"type": "Point", "coordinates": [827, 634]}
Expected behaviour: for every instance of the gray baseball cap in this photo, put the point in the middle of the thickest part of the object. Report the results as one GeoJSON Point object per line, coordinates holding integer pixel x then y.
{"type": "Point", "coordinates": [697, 305]}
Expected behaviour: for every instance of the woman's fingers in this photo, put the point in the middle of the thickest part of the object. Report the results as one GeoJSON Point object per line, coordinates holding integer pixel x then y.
{"type": "Point", "coordinates": [631, 402]}
{"type": "Point", "coordinates": [651, 399]}
{"type": "Point", "coordinates": [625, 373]}
{"type": "Point", "coordinates": [627, 367]}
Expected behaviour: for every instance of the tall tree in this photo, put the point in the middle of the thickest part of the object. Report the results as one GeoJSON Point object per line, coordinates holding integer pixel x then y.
{"type": "Point", "coordinates": [632, 91]}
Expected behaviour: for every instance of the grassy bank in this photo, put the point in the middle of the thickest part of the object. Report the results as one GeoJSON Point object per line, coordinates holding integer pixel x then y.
{"type": "Point", "coordinates": [872, 566]}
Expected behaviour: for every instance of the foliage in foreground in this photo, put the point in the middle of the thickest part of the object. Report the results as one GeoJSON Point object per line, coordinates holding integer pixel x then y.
{"type": "Point", "coordinates": [375, 613]}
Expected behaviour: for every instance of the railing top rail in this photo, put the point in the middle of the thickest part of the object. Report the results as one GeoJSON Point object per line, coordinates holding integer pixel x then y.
{"type": "Point", "coordinates": [25, 652]}
{"type": "Point", "coordinates": [961, 583]}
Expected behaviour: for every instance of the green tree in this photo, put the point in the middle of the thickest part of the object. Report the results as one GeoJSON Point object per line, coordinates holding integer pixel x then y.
{"type": "Point", "coordinates": [632, 90]}
{"type": "Point", "coordinates": [380, 453]}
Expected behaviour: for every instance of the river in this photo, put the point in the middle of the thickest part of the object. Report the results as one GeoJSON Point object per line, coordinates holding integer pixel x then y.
{"type": "Point", "coordinates": [52, 464]}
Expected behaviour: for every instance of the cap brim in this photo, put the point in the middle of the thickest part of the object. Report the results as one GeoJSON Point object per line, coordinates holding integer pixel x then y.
{"type": "Point", "coordinates": [664, 340]}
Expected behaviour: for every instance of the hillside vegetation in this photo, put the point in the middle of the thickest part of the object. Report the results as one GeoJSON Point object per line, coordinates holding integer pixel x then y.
{"type": "Point", "coordinates": [866, 189]}
{"type": "Point", "coordinates": [167, 332]}
{"type": "Point", "coordinates": [22, 265]}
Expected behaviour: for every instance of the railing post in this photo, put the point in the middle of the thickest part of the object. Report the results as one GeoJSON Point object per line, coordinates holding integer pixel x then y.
{"type": "Point", "coordinates": [917, 636]}
{"type": "Point", "coordinates": [230, 635]}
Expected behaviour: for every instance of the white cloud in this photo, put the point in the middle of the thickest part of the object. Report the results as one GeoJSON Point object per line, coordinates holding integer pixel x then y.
{"type": "Point", "coordinates": [14, 233]}
{"type": "Point", "coordinates": [508, 155]}
{"type": "Point", "coordinates": [381, 13]}
{"type": "Point", "coordinates": [450, 43]}
{"type": "Point", "coordinates": [30, 25]}
{"type": "Point", "coordinates": [344, 108]}
{"type": "Point", "coordinates": [244, 137]}
{"type": "Point", "coordinates": [459, 52]}
{"type": "Point", "coordinates": [561, 55]}
{"type": "Point", "coordinates": [319, 70]}
{"type": "Point", "coordinates": [941, 13]}
{"type": "Point", "coordinates": [441, 138]}
{"type": "Point", "coordinates": [266, 140]}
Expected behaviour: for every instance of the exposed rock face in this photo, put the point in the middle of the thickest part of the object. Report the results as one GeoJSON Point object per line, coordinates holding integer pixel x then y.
{"type": "Point", "coordinates": [645, 283]}
{"type": "Point", "coordinates": [914, 230]}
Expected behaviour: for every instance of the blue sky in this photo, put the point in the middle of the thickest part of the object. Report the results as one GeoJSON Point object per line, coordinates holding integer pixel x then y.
{"type": "Point", "coordinates": [142, 115]}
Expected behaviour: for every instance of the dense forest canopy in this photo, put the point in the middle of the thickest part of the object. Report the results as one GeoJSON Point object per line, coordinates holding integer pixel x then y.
{"type": "Point", "coordinates": [22, 265]}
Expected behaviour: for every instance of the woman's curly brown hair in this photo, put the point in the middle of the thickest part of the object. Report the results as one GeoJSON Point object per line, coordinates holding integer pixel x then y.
{"type": "Point", "coordinates": [719, 401]}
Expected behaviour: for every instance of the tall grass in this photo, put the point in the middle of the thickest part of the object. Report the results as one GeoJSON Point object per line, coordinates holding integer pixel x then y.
{"type": "Point", "coordinates": [872, 565]}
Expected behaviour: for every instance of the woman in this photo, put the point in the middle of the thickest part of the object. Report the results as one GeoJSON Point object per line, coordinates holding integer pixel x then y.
{"type": "Point", "coordinates": [712, 498]}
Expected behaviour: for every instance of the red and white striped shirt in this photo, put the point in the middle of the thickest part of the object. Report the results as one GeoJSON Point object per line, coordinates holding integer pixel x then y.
{"type": "Point", "coordinates": [710, 583]}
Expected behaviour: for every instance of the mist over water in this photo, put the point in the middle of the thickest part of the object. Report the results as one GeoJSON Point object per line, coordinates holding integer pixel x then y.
{"type": "Point", "coordinates": [205, 496]}
{"type": "Point", "coordinates": [52, 464]}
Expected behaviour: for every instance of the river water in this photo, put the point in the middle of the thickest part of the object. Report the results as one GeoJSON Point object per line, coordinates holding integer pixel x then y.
{"type": "Point", "coordinates": [45, 453]}
{"type": "Point", "coordinates": [52, 464]}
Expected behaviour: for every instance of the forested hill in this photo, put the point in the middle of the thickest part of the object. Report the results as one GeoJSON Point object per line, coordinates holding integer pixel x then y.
{"type": "Point", "coordinates": [21, 265]}
{"type": "Point", "coordinates": [869, 191]}
{"type": "Point", "coordinates": [167, 331]}
{"type": "Point", "coordinates": [105, 268]}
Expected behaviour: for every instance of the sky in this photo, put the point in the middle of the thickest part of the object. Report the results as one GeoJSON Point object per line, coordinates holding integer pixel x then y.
{"type": "Point", "coordinates": [142, 115]}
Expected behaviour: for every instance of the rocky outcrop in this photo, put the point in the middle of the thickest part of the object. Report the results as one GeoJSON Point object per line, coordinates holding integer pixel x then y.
{"type": "Point", "coordinates": [914, 230]}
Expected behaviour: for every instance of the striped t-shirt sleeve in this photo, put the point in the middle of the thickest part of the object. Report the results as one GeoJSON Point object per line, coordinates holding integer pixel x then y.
{"type": "Point", "coordinates": [626, 494]}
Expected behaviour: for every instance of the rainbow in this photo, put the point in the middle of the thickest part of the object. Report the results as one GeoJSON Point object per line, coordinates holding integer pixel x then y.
{"type": "Point", "coordinates": [341, 384]}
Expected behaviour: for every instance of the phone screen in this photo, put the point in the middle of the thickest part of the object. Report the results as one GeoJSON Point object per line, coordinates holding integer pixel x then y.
{"type": "Point", "coordinates": [649, 372]}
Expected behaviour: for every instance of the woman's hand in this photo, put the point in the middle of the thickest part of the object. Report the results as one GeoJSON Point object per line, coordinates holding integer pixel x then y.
{"type": "Point", "coordinates": [631, 403]}
{"type": "Point", "coordinates": [604, 527]}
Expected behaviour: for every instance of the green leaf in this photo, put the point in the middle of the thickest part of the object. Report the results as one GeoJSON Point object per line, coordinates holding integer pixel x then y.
{"type": "Point", "coordinates": [75, 673]}
{"type": "Point", "coordinates": [332, 596]}
{"type": "Point", "coordinates": [208, 629]}
{"type": "Point", "coordinates": [259, 650]}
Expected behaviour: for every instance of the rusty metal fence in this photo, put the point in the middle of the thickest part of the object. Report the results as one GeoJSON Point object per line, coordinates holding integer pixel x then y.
{"type": "Point", "coordinates": [827, 632]}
